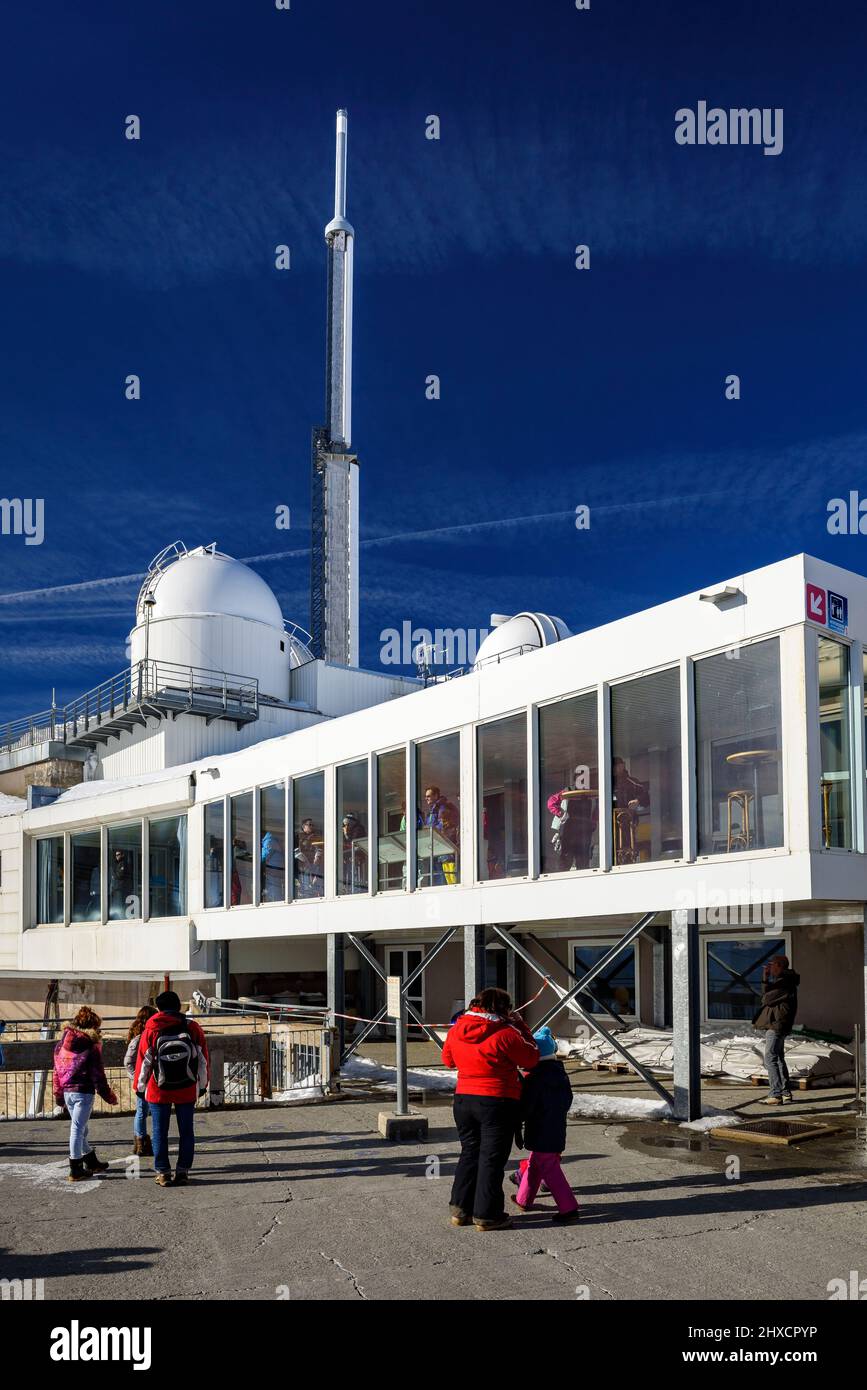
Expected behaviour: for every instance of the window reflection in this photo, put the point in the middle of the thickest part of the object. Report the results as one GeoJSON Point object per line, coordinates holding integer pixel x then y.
{"type": "Point", "coordinates": [241, 881]}
{"type": "Point", "coordinates": [214, 847]}
{"type": "Point", "coordinates": [308, 803]}
{"type": "Point", "coordinates": [272, 847]}
{"type": "Point", "coordinates": [167, 855]}
{"type": "Point", "coordinates": [352, 828]}
{"type": "Point", "coordinates": [124, 871]}
{"type": "Point", "coordinates": [502, 798]}
{"type": "Point", "coordinates": [739, 741]}
{"type": "Point", "coordinates": [49, 880]}
{"type": "Point", "coordinates": [391, 817]}
{"type": "Point", "coordinates": [86, 879]}
{"type": "Point", "coordinates": [569, 785]}
{"type": "Point", "coordinates": [645, 769]}
{"type": "Point", "coordinates": [438, 779]}
{"type": "Point", "coordinates": [835, 741]}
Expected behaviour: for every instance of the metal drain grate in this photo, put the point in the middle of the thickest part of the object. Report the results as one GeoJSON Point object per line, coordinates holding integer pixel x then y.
{"type": "Point", "coordinates": [775, 1131]}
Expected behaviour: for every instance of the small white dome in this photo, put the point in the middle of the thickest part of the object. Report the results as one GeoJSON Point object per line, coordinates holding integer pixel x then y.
{"type": "Point", "coordinates": [516, 636]}
{"type": "Point", "coordinates": [204, 581]}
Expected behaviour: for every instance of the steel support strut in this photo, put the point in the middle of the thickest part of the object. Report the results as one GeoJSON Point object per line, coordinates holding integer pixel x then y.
{"type": "Point", "coordinates": [374, 964]}
{"type": "Point", "coordinates": [567, 997]}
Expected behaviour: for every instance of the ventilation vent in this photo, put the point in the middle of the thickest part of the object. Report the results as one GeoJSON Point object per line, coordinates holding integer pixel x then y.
{"type": "Point", "coordinates": [775, 1131]}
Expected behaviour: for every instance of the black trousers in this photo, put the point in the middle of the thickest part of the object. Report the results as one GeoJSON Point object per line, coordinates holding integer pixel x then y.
{"type": "Point", "coordinates": [486, 1128]}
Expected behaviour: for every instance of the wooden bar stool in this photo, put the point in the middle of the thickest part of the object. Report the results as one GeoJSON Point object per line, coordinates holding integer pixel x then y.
{"type": "Point", "coordinates": [624, 836]}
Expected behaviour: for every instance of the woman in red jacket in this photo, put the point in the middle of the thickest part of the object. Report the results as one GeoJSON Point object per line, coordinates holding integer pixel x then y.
{"type": "Point", "coordinates": [487, 1044]}
{"type": "Point", "coordinates": [172, 1070]}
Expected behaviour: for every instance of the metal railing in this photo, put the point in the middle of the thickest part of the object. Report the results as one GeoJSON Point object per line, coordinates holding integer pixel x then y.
{"type": "Point", "coordinates": [162, 684]}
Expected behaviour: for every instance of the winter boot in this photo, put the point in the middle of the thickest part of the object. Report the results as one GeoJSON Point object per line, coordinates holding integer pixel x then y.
{"type": "Point", "coordinates": [182, 1177]}
{"type": "Point", "coordinates": [459, 1217]}
{"type": "Point", "coordinates": [77, 1171]}
{"type": "Point", "coordinates": [93, 1164]}
{"type": "Point", "coordinates": [163, 1179]}
{"type": "Point", "coordinates": [146, 1150]}
{"type": "Point", "coordinates": [566, 1218]}
{"type": "Point", "coordinates": [501, 1223]}
{"type": "Point", "coordinates": [138, 1151]}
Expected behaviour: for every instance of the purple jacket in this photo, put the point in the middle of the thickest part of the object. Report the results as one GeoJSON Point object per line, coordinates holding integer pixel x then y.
{"type": "Point", "coordinates": [78, 1065]}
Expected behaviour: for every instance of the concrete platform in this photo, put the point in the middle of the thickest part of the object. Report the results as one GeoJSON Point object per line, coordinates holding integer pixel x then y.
{"type": "Point", "coordinates": [310, 1202]}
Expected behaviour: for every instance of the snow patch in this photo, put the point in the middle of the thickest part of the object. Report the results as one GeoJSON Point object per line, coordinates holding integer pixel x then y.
{"type": "Point", "coordinates": [385, 1078]}
{"type": "Point", "coordinates": [595, 1107]}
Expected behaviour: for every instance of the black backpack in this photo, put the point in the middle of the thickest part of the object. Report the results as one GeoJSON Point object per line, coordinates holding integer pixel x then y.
{"type": "Point", "coordinates": [176, 1058]}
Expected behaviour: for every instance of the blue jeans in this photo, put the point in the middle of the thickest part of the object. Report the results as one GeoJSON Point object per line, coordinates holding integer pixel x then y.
{"type": "Point", "coordinates": [161, 1115]}
{"type": "Point", "coordinates": [140, 1123]}
{"type": "Point", "coordinates": [775, 1061]}
{"type": "Point", "coordinates": [79, 1106]}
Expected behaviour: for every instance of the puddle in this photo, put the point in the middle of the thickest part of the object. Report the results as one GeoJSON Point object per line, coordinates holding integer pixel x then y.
{"type": "Point", "coordinates": [693, 1145]}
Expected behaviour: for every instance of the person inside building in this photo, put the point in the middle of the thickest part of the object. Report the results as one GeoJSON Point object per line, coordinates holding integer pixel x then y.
{"type": "Point", "coordinates": [308, 860]}
{"type": "Point", "coordinates": [79, 1076]}
{"type": "Point", "coordinates": [776, 1018]}
{"type": "Point", "coordinates": [119, 885]}
{"type": "Point", "coordinates": [354, 856]}
{"type": "Point", "coordinates": [273, 866]}
{"type": "Point", "coordinates": [442, 816]}
{"type": "Point", "coordinates": [141, 1139]}
{"type": "Point", "coordinates": [575, 819]}
{"type": "Point", "coordinates": [487, 1044]}
{"type": "Point", "coordinates": [172, 1070]}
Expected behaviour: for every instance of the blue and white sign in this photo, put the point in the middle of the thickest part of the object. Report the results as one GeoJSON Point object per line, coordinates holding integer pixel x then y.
{"type": "Point", "coordinates": [838, 612]}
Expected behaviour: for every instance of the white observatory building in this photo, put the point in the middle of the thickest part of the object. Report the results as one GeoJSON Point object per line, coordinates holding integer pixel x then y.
{"type": "Point", "coordinates": [286, 827]}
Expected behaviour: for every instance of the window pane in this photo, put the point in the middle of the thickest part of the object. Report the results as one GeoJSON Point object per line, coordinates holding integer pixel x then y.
{"type": "Point", "coordinates": [85, 877]}
{"type": "Point", "coordinates": [167, 870]}
{"type": "Point", "coordinates": [352, 828]}
{"type": "Point", "coordinates": [272, 848]}
{"type": "Point", "coordinates": [438, 782]}
{"type": "Point", "coordinates": [502, 765]}
{"type": "Point", "coordinates": [391, 818]}
{"type": "Point", "coordinates": [835, 744]}
{"type": "Point", "coordinates": [308, 831]}
{"type": "Point", "coordinates": [734, 975]}
{"type": "Point", "coordinates": [645, 769]}
{"type": "Point", "coordinates": [569, 785]}
{"type": "Point", "coordinates": [614, 987]}
{"type": "Point", "coordinates": [739, 743]}
{"type": "Point", "coordinates": [214, 846]}
{"type": "Point", "coordinates": [49, 880]}
{"type": "Point", "coordinates": [241, 882]}
{"type": "Point", "coordinates": [124, 871]}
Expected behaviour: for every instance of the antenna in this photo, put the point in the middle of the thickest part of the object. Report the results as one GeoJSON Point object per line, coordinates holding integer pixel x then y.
{"type": "Point", "coordinates": [340, 167]}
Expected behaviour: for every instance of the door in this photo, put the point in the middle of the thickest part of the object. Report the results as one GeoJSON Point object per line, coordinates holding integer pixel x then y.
{"type": "Point", "coordinates": [402, 961]}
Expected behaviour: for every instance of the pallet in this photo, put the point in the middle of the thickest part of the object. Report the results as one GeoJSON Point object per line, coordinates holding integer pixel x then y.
{"type": "Point", "coordinates": [621, 1068]}
{"type": "Point", "coordinates": [797, 1083]}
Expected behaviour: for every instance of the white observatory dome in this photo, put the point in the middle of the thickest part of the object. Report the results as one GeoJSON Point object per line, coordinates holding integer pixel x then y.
{"type": "Point", "coordinates": [201, 608]}
{"type": "Point", "coordinates": [519, 635]}
{"type": "Point", "coordinates": [206, 581]}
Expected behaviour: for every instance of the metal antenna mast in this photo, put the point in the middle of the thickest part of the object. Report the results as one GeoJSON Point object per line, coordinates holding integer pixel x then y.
{"type": "Point", "coordinates": [334, 565]}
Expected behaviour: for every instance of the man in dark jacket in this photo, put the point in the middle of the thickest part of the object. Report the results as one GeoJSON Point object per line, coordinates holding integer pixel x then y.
{"type": "Point", "coordinates": [777, 1018]}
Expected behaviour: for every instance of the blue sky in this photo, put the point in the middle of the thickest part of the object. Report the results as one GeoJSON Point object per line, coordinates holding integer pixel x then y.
{"type": "Point", "coordinates": [559, 387]}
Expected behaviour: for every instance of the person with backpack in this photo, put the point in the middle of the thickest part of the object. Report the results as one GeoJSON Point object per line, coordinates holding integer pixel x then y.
{"type": "Point", "coordinates": [141, 1139]}
{"type": "Point", "coordinates": [172, 1069]}
{"type": "Point", "coordinates": [546, 1097]}
{"type": "Point", "coordinates": [79, 1076]}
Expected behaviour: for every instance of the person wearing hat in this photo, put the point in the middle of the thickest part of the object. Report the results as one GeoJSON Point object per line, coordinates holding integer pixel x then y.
{"type": "Point", "coordinates": [546, 1097]}
{"type": "Point", "coordinates": [172, 1069]}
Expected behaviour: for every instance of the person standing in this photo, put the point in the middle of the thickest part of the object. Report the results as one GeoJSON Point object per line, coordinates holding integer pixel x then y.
{"type": "Point", "coordinates": [172, 1070]}
{"type": "Point", "coordinates": [141, 1138]}
{"type": "Point", "coordinates": [487, 1045]}
{"type": "Point", "coordinates": [79, 1076]}
{"type": "Point", "coordinates": [546, 1097]}
{"type": "Point", "coordinates": [777, 1018]}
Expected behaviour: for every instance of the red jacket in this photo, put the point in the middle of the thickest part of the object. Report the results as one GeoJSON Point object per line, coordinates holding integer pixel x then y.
{"type": "Point", "coordinates": [487, 1052]}
{"type": "Point", "coordinates": [145, 1082]}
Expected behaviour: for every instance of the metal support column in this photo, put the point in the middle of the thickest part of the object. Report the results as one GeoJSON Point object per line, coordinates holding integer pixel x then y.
{"type": "Point", "coordinates": [474, 962]}
{"type": "Point", "coordinates": [382, 1013]}
{"type": "Point", "coordinates": [685, 1009]}
{"type": "Point", "coordinates": [336, 975]}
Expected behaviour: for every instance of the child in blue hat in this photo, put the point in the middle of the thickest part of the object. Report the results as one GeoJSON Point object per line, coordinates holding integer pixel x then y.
{"type": "Point", "coordinates": [546, 1097]}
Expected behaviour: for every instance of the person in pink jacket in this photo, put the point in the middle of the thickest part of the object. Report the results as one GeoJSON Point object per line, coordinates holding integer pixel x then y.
{"type": "Point", "coordinates": [79, 1076]}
